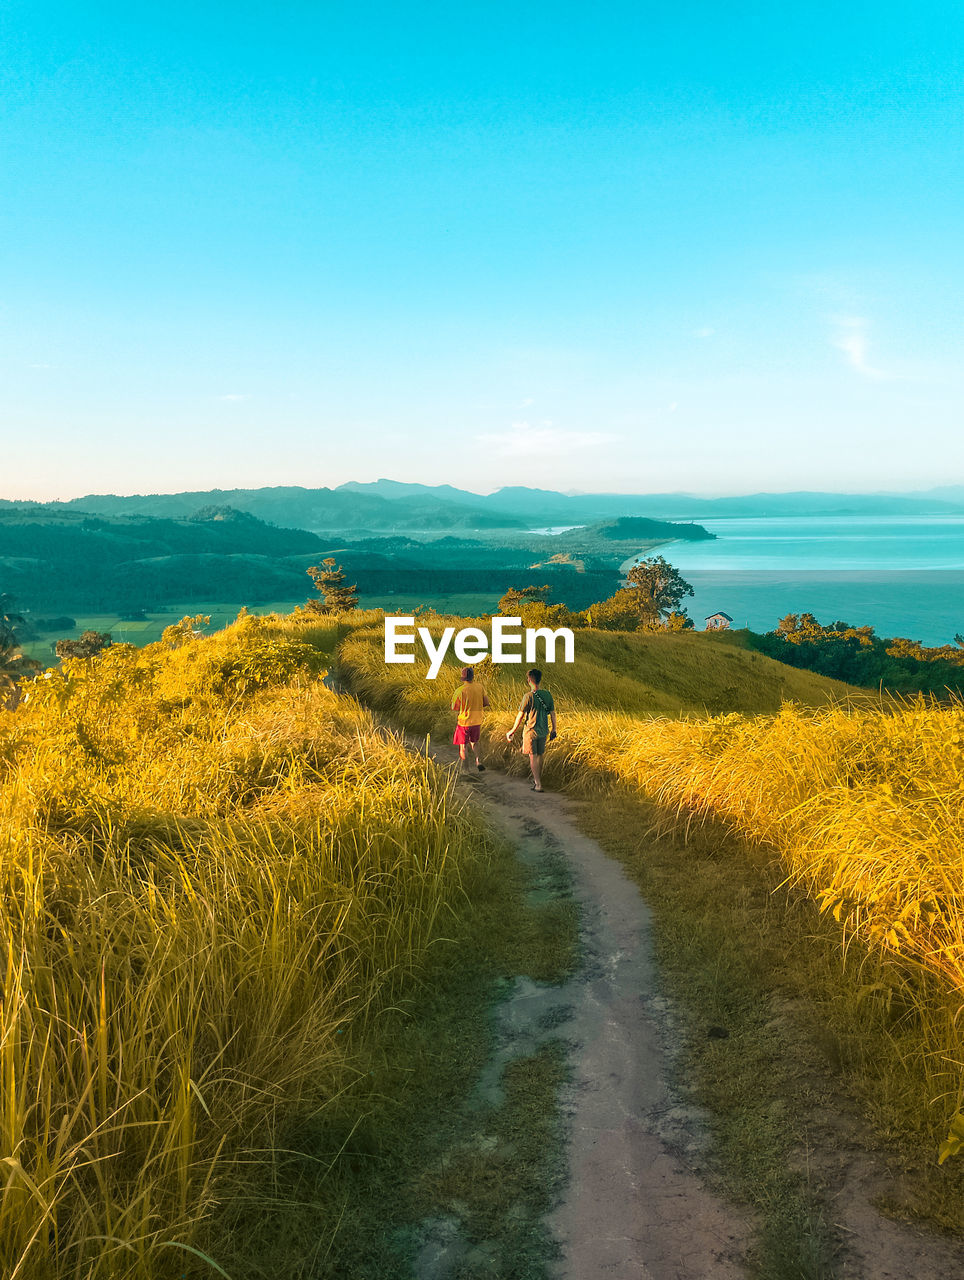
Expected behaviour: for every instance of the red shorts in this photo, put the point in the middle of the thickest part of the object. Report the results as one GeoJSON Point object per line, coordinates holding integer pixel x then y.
{"type": "Point", "coordinates": [466, 733]}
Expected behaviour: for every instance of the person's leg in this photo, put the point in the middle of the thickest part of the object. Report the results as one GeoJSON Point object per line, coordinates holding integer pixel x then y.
{"type": "Point", "coordinates": [535, 764]}
{"type": "Point", "coordinates": [465, 762]}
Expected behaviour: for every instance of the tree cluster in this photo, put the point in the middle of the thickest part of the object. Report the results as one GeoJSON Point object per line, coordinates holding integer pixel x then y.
{"type": "Point", "coordinates": [14, 664]}
{"type": "Point", "coordinates": [88, 645]}
{"type": "Point", "coordinates": [650, 602]}
{"type": "Point", "coordinates": [859, 656]}
{"type": "Point", "coordinates": [334, 595]}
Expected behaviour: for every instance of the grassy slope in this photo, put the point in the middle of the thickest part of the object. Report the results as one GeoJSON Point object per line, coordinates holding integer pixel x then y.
{"type": "Point", "coordinates": [236, 893]}
{"type": "Point", "coordinates": [636, 674]}
{"type": "Point", "coordinates": [808, 1023]}
{"type": "Point", "coordinates": [684, 674]}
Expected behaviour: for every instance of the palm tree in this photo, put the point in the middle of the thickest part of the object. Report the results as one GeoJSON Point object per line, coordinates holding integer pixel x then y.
{"type": "Point", "coordinates": [14, 665]}
{"type": "Point", "coordinates": [9, 620]}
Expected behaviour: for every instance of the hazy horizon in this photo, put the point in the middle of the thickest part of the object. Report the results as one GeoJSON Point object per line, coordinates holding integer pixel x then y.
{"type": "Point", "coordinates": [655, 493]}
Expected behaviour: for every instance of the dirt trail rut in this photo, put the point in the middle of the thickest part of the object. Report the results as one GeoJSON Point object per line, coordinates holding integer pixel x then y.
{"type": "Point", "coordinates": [634, 1207]}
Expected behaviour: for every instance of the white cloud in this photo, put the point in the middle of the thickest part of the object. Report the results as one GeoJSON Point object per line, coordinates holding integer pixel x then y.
{"type": "Point", "coordinates": [526, 440]}
{"type": "Point", "coordinates": [705, 332]}
{"type": "Point", "coordinates": [233, 396]}
{"type": "Point", "coordinates": [673, 406]}
{"type": "Point", "coordinates": [850, 336]}
{"type": "Point", "coordinates": [524, 404]}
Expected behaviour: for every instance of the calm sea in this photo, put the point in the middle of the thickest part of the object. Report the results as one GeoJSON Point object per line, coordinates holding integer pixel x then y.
{"type": "Point", "coordinates": [904, 575]}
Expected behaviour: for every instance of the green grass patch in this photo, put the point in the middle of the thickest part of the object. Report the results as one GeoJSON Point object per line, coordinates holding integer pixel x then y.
{"type": "Point", "coordinates": [502, 1183]}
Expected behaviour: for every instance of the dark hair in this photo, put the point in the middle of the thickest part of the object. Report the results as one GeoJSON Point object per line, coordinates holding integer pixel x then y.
{"type": "Point", "coordinates": [467, 673]}
{"type": "Point", "coordinates": [535, 675]}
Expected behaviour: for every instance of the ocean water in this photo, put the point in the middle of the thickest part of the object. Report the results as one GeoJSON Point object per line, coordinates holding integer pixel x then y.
{"type": "Point", "coordinates": [903, 575]}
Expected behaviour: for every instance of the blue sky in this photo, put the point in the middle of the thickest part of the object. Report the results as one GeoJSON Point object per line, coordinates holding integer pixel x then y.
{"type": "Point", "coordinates": [628, 246]}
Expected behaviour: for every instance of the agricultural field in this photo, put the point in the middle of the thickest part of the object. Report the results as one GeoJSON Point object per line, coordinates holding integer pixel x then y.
{"type": "Point", "coordinates": [222, 613]}
{"type": "Point", "coordinates": [147, 630]}
{"type": "Point", "coordinates": [468, 604]}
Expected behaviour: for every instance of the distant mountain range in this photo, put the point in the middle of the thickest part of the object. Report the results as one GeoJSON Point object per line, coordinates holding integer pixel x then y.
{"type": "Point", "coordinates": [390, 506]}
{"type": "Point", "coordinates": [321, 510]}
{"type": "Point", "coordinates": [545, 506]}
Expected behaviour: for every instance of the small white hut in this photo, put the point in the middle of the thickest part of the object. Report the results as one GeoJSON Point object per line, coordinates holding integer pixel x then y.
{"type": "Point", "coordinates": [718, 622]}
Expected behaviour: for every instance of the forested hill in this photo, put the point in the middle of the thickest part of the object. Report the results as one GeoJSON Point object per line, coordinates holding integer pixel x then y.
{"type": "Point", "coordinates": [324, 510]}
{"type": "Point", "coordinates": [71, 561]}
{"type": "Point", "coordinates": [547, 507]}
{"type": "Point", "coordinates": [78, 537]}
{"type": "Point", "coordinates": [639, 528]}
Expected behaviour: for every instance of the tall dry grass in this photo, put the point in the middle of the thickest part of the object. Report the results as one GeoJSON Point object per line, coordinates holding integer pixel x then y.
{"type": "Point", "coordinates": [213, 872]}
{"type": "Point", "coordinates": [863, 802]}
{"type": "Point", "coordinates": [865, 807]}
{"type": "Point", "coordinates": [866, 811]}
{"type": "Point", "coordinates": [862, 799]}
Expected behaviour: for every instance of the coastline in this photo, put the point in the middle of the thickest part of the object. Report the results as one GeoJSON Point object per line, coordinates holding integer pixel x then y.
{"type": "Point", "coordinates": [919, 604]}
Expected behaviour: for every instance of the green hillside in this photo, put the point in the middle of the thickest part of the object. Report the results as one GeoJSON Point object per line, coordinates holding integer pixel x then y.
{"type": "Point", "coordinates": [660, 674]}
{"type": "Point", "coordinates": [690, 673]}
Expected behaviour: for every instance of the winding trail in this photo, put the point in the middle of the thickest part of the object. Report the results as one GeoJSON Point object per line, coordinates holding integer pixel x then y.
{"type": "Point", "coordinates": [635, 1207]}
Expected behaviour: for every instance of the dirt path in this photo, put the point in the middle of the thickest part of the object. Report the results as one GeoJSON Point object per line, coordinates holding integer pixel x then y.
{"type": "Point", "coordinates": [635, 1208]}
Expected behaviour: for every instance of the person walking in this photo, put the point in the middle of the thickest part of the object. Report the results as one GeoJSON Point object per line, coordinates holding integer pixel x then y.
{"type": "Point", "coordinates": [469, 702]}
{"type": "Point", "coordinates": [537, 714]}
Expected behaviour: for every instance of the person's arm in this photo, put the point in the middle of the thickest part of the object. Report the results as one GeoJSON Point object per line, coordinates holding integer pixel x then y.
{"type": "Point", "coordinates": [457, 700]}
{"type": "Point", "coordinates": [518, 720]}
{"type": "Point", "coordinates": [552, 718]}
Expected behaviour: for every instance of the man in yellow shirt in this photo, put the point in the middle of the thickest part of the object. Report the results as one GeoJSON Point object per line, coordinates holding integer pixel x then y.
{"type": "Point", "coordinates": [469, 701]}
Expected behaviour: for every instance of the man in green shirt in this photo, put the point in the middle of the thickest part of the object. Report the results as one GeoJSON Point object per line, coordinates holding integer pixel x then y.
{"type": "Point", "coordinates": [538, 712]}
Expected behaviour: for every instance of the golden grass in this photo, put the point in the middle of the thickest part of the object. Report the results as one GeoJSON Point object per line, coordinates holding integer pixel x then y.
{"type": "Point", "coordinates": [862, 798]}
{"type": "Point", "coordinates": [641, 674]}
{"type": "Point", "coordinates": [865, 807]}
{"type": "Point", "coordinates": [212, 872]}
